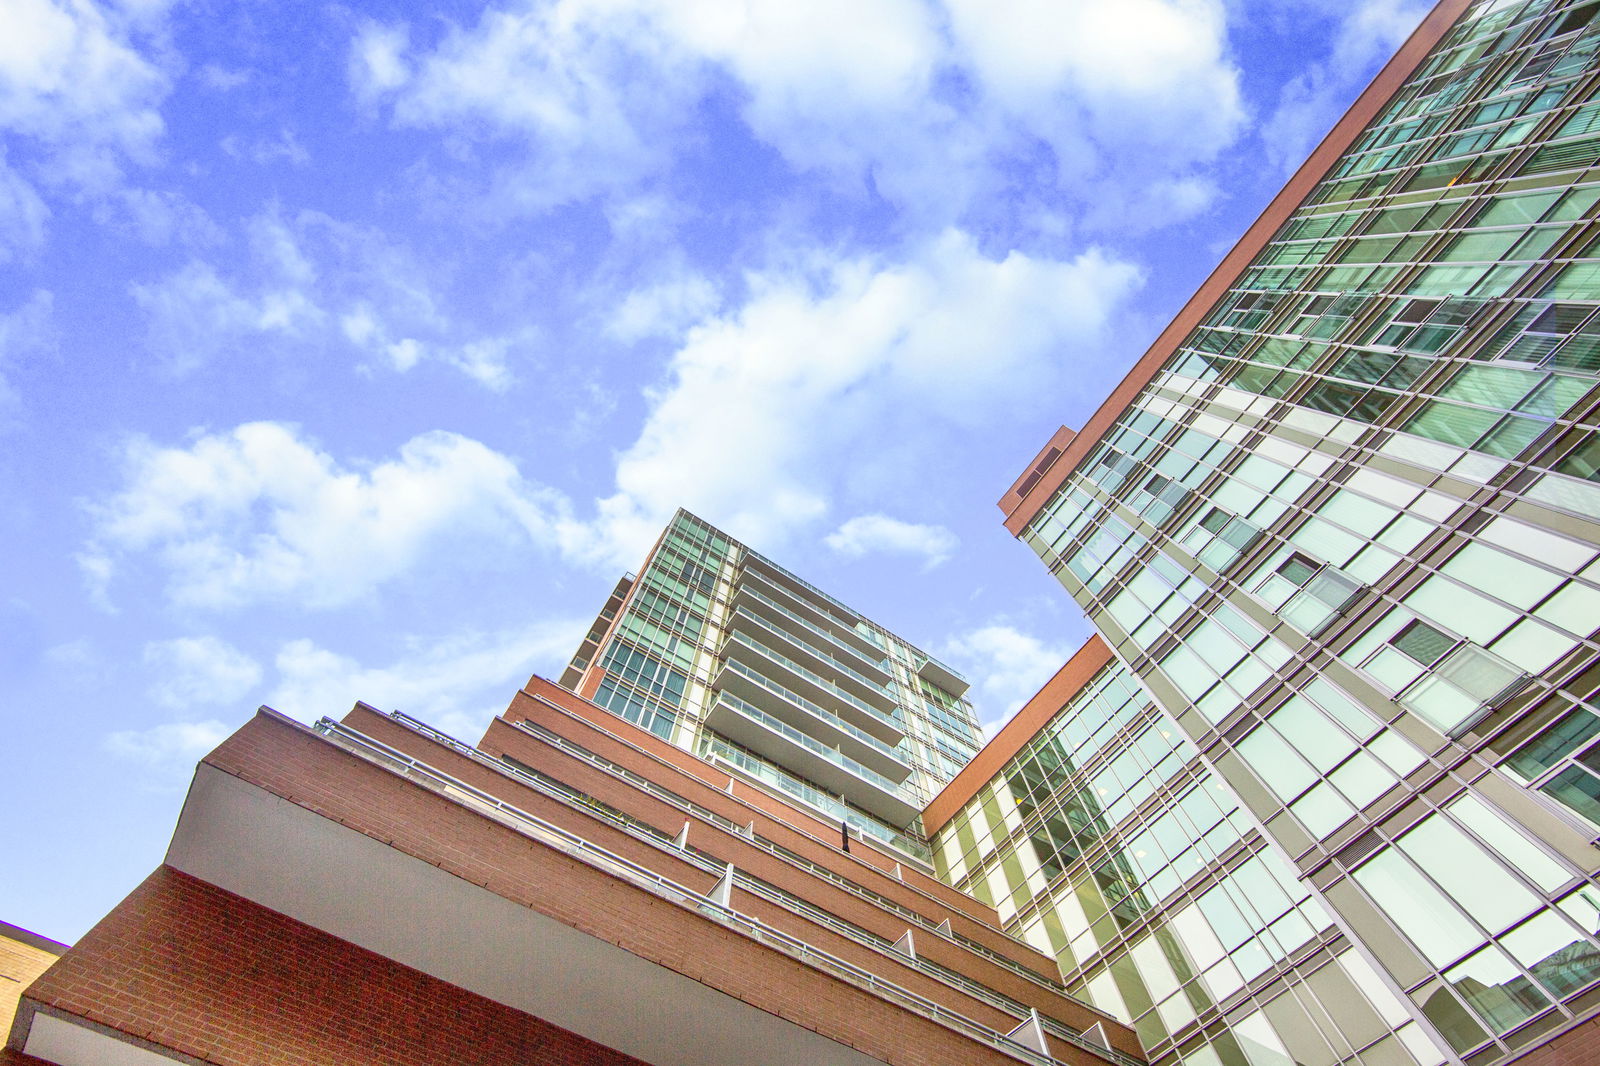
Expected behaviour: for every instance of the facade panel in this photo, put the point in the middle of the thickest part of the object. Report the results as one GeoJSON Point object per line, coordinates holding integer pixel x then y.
{"type": "Point", "coordinates": [1343, 540]}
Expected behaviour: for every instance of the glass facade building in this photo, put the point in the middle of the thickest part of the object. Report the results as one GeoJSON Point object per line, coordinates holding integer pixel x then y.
{"type": "Point", "coordinates": [723, 652]}
{"type": "Point", "coordinates": [1108, 841]}
{"type": "Point", "coordinates": [1336, 793]}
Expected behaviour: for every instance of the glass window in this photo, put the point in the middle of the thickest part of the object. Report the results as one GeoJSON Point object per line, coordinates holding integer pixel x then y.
{"type": "Point", "coordinates": [1415, 907]}
{"type": "Point", "coordinates": [1510, 842]}
{"type": "Point", "coordinates": [1484, 888]}
{"type": "Point", "coordinates": [1496, 990]}
{"type": "Point", "coordinates": [1423, 643]}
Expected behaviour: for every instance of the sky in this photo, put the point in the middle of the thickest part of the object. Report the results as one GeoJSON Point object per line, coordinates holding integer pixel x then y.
{"type": "Point", "coordinates": [348, 353]}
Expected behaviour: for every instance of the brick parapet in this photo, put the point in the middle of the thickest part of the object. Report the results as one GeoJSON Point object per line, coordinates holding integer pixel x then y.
{"type": "Point", "coordinates": [643, 752]}
{"type": "Point", "coordinates": [725, 846]}
{"type": "Point", "coordinates": [196, 970]}
{"type": "Point", "coordinates": [290, 762]}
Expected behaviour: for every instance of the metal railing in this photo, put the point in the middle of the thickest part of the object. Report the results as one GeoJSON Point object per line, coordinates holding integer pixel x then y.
{"type": "Point", "coordinates": [671, 798]}
{"type": "Point", "coordinates": [830, 687]}
{"type": "Point", "coordinates": [809, 743]}
{"type": "Point", "coordinates": [877, 687]}
{"type": "Point", "coordinates": [840, 881]}
{"type": "Point", "coordinates": [640, 876]}
{"type": "Point", "coordinates": [816, 710]}
{"type": "Point", "coordinates": [811, 627]}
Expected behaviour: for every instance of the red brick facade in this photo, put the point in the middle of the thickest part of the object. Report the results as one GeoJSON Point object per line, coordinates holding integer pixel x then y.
{"type": "Point", "coordinates": [191, 968]}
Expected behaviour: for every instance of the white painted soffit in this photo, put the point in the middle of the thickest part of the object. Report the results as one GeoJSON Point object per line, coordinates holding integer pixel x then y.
{"type": "Point", "coordinates": [71, 1041]}
{"type": "Point", "coordinates": [244, 839]}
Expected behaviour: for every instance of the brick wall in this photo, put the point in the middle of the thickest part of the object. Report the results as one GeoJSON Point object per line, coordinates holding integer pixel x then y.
{"type": "Point", "coordinates": [189, 967]}
{"type": "Point", "coordinates": [732, 847]}
{"type": "Point", "coordinates": [290, 762]}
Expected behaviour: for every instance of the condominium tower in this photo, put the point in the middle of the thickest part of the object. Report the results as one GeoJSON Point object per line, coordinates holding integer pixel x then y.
{"type": "Point", "coordinates": [1331, 792]}
{"type": "Point", "coordinates": [720, 650]}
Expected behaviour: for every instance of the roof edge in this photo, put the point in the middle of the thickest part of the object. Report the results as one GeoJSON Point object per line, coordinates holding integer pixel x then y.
{"type": "Point", "coordinates": [33, 940]}
{"type": "Point", "coordinates": [1373, 98]}
{"type": "Point", "coordinates": [1068, 681]}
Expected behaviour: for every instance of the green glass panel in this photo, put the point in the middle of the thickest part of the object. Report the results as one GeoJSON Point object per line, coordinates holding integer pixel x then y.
{"type": "Point", "coordinates": [1451, 423]}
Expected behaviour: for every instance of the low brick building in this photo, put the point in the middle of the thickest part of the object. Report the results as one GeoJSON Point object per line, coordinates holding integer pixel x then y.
{"type": "Point", "coordinates": [573, 890]}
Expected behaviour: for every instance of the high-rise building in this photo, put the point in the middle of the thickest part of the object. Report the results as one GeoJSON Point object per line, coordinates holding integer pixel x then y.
{"type": "Point", "coordinates": [723, 652]}
{"type": "Point", "coordinates": [1338, 529]}
{"type": "Point", "coordinates": [1099, 834]}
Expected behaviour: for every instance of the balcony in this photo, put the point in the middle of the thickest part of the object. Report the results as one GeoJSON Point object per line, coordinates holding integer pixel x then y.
{"type": "Point", "coordinates": [828, 767]}
{"type": "Point", "coordinates": [873, 664]}
{"type": "Point", "coordinates": [796, 677]}
{"type": "Point", "coordinates": [804, 600]}
{"type": "Point", "coordinates": [945, 677]}
{"type": "Point", "coordinates": [809, 655]}
{"type": "Point", "coordinates": [739, 681]}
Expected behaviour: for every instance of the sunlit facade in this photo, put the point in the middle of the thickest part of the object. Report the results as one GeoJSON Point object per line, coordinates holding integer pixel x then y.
{"type": "Point", "coordinates": [1339, 529]}
{"type": "Point", "coordinates": [1106, 840]}
{"type": "Point", "coordinates": [723, 652]}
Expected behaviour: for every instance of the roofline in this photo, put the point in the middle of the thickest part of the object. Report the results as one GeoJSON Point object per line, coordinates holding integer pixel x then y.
{"type": "Point", "coordinates": [1068, 681]}
{"type": "Point", "coordinates": [33, 940]}
{"type": "Point", "coordinates": [1021, 507]}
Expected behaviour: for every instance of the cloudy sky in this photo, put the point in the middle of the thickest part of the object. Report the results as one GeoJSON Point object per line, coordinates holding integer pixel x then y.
{"type": "Point", "coordinates": [347, 353]}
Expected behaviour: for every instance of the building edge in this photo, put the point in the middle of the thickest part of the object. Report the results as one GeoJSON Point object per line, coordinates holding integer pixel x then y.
{"type": "Point", "coordinates": [1049, 472]}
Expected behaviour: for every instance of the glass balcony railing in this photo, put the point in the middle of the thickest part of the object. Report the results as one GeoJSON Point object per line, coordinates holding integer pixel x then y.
{"type": "Point", "coordinates": [810, 627]}
{"type": "Point", "coordinates": [846, 629]}
{"type": "Point", "coordinates": [814, 797]}
{"type": "Point", "coordinates": [875, 687]}
{"type": "Point", "coordinates": [821, 713]}
{"type": "Point", "coordinates": [811, 676]}
{"type": "Point", "coordinates": [808, 742]}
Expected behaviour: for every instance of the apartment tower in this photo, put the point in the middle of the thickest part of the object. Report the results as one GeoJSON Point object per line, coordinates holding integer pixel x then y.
{"type": "Point", "coordinates": [718, 649]}
{"type": "Point", "coordinates": [1326, 788]}
{"type": "Point", "coordinates": [664, 876]}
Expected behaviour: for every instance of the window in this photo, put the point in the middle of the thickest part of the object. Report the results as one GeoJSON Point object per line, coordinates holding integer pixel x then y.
{"type": "Point", "coordinates": [1422, 643]}
{"type": "Point", "coordinates": [1462, 683]}
{"type": "Point", "coordinates": [1307, 593]}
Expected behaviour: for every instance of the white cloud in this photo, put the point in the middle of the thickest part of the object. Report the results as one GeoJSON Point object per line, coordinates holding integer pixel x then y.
{"type": "Point", "coordinates": [260, 514]}
{"type": "Point", "coordinates": [578, 82]}
{"type": "Point", "coordinates": [933, 106]}
{"type": "Point", "coordinates": [263, 151]}
{"type": "Point", "coordinates": [167, 746]}
{"type": "Point", "coordinates": [456, 684]}
{"type": "Point", "coordinates": [764, 405]}
{"type": "Point", "coordinates": [1007, 666]}
{"type": "Point", "coordinates": [1308, 106]}
{"type": "Point", "coordinates": [313, 280]}
{"type": "Point", "coordinates": [205, 670]}
{"type": "Point", "coordinates": [664, 309]}
{"type": "Point", "coordinates": [376, 63]}
{"type": "Point", "coordinates": [72, 81]}
{"type": "Point", "coordinates": [27, 334]}
{"type": "Point", "coordinates": [23, 214]}
{"type": "Point", "coordinates": [867, 534]}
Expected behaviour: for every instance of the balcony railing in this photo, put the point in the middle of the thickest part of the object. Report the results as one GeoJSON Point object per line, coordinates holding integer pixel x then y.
{"type": "Point", "coordinates": [812, 678]}
{"type": "Point", "coordinates": [642, 831]}
{"type": "Point", "coordinates": [826, 717]}
{"type": "Point", "coordinates": [876, 688]}
{"type": "Point", "coordinates": [809, 742]}
{"type": "Point", "coordinates": [672, 799]}
{"type": "Point", "coordinates": [841, 629]}
{"type": "Point", "coordinates": [625, 869]}
{"type": "Point", "coordinates": [881, 665]}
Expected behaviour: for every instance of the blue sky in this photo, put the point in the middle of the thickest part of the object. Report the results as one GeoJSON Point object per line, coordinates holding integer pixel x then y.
{"type": "Point", "coordinates": [347, 353]}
